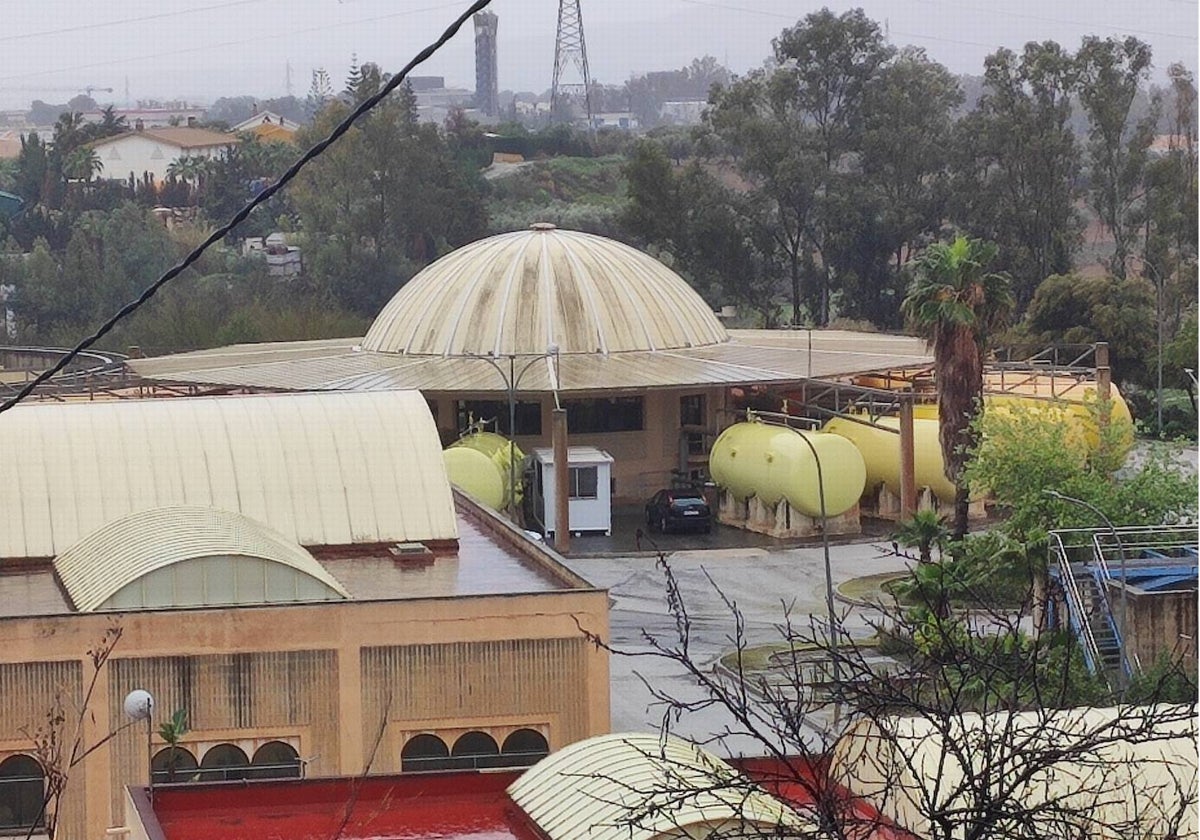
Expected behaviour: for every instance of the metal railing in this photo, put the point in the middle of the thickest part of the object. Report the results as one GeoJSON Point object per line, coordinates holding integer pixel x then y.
{"type": "Point", "coordinates": [1079, 617]}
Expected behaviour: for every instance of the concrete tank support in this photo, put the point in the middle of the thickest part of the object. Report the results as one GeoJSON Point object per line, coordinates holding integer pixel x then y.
{"type": "Point", "coordinates": [908, 468]}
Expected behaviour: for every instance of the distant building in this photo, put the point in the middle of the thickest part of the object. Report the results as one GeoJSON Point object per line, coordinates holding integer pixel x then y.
{"type": "Point", "coordinates": [152, 117]}
{"type": "Point", "coordinates": [626, 120]}
{"type": "Point", "coordinates": [683, 111]}
{"type": "Point", "coordinates": [424, 83]}
{"type": "Point", "coordinates": [283, 260]}
{"type": "Point", "coordinates": [487, 86]}
{"type": "Point", "coordinates": [153, 150]}
{"type": "Point", "coordinates": [265, 119]}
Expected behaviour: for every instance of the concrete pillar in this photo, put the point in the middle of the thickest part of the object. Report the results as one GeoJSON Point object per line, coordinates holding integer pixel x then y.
{"type": "Point", "coordinates": [95, 774]}
{"type": "Point", "coordinates": [1103, 382]}
{"type": "Point", "coordinates": [562, 488]}
{"type": "Point", "coordinates": [908, 467]}
{"type": "Point", "coordinates": [351, 756]}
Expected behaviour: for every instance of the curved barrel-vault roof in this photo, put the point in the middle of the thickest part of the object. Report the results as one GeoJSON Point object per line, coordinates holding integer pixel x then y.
{"type": "Point", "coordinates": [120, 553]}
{"type": "Point", "coordinates": [634, 786]}
{"type": "Point", "coordinates": [523, 292]}
{"type": "Point", "coordinates": [321, 469]}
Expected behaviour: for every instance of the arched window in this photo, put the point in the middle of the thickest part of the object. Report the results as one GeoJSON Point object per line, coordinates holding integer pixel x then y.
{"type": "Point", "coordinates": [223, 762]}
{"type": "Point", "coordinates": [523, 748]}
{"type": "Point", "coordinates": [425, 752]}
{"type": "Point", "coordinates": [173, 764]}
{"type": "Point", "coordinates": [475, 749]}
{"type": "Point", "coordinates": [275, 760]}
{"type": "Point", "coordinates": [22, 793]}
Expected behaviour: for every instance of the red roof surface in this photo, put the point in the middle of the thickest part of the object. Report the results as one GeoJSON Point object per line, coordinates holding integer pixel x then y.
{"type": "Point", "coordinates": [453, 806]}
{"type": "Point", "coordinates": [423, 806]}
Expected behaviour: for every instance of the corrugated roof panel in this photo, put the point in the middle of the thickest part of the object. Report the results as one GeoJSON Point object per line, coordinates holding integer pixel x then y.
{"type": "Point", "coordinates": [314, 467]}
{"type": "Point", "coordinates": [98, 566]}
{"type": "Point", "coordinates": [519, 292]}
{"type": "Point", "coordinates": [755, 357]}
{"type": "Point", "coordinates": [638, 787]}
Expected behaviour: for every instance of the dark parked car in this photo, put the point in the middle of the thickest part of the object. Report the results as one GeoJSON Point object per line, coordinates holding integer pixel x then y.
{"type": "Point", "coordinates": [678, 510]}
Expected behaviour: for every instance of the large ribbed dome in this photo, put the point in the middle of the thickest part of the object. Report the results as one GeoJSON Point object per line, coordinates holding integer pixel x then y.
{"type": "Point", "coordinates": [522, 292]}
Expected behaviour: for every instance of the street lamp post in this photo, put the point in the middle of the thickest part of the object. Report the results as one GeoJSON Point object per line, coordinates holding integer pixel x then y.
{"type": "Point", "coordinates": [833, 631]}
{"type": "Point", "coordinates": [1158, 319]}
{"type": "Point", "coordinates": [1123, 676]}
{"type": "Point", "coordinates": [511, 380]}
{"type": "Point", "coordinates": [139, 705]}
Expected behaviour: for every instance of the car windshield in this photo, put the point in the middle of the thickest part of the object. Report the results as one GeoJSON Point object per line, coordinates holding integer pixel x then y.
{"type": "Point", "coordinates": [688, 501]}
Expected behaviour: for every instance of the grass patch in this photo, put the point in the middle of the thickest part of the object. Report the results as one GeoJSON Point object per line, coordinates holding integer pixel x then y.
{"type": "Point", "coordinates": [761, 658]}
{"type": "Point", "coordinates": [870, 588]}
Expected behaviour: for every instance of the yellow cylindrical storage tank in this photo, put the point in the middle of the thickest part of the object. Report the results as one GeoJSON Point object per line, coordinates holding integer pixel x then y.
{"type": "Point", "coordinates": [1081, 412]}
{"type": "Point", "coordinates": [881, 452]}
{"type": "Point", "coordinates": [496, 448]}
{"type": "Point", "coordinates": [490, 444]}
{"type": "Point", "coordinates": [774, 463]}
{"type": "Point", "coordinates": [476, 473]}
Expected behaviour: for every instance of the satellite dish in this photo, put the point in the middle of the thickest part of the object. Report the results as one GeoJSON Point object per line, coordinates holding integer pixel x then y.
{"type": "Point", "coordinates": [139, 704]}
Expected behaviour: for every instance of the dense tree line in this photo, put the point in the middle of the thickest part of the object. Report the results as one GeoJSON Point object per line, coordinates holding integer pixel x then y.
{"type": "Point", "coordinates": [816, 182]}
{"type": "Point", "coordinates": [807, 196]}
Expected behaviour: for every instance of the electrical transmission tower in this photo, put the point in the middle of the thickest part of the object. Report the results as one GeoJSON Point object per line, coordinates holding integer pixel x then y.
{"type": "Point", "coordinates": [569, 48]}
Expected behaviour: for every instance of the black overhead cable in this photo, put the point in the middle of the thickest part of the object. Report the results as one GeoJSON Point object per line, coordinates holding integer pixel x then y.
{"type": "Point", "coordinates": [220, 233]}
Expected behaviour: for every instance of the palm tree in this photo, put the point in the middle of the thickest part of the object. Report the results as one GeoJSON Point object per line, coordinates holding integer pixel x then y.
{"type": "Point", "coordinates": [82, 164]}
{"type": "Point", "coordinates": [924, 531]}
{"type": "Point", "coordinates": [957, 305]}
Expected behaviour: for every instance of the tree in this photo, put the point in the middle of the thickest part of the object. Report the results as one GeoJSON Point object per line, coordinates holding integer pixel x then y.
{"type": "Point", "coordinates": [791, 131]}
{"type": "Point", "coordinates": [1111, 71]}
{"type": "Point", "coordinates": [59, 742]}
{"type": "Point", "coordinates": [1017, 165]}
{"type": "Point", "coordinates": [1070, 309]}
{"type": "Point", "coordinates": [961, 735]}
{"type": "Point", "coordinates": [383, 201]}
{"type": "Point", "coordinates": [958, 305]}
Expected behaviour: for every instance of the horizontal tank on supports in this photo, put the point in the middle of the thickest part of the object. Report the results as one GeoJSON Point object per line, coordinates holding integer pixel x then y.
{"type": "Point", "coordinates": [768, 479]}
{"type": "Point", "coordinates": [479, 463]}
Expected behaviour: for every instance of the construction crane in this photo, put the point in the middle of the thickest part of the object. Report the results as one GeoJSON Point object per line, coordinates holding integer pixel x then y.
{"type": "Point", "coordinates": [88, 89]}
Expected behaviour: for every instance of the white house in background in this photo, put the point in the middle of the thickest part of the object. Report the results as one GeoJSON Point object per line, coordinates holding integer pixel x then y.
{"type": "Point", "coordinates": [264, 118]}
{"type": "Point", "coordinates": [153, 150]}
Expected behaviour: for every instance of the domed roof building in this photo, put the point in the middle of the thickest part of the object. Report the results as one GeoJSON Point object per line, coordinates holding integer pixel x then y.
{"type": "Point", "coordinates": [639, 360]}
{"type": "Point", "coordinates": [519, 293]}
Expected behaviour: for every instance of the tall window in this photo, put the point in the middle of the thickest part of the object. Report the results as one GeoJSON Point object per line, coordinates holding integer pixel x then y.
{"type": "Point", "coordinates": [620, 414]}
{"type": "Point", "coordinates": [584, 482]}
{"type": "Point", "coordinates": [22, 792]}
{"type": "Point", "coordinates": [691, 410]}
{"type": "Point", "coordinates": [275, 760]}
{"type": "Point", "coordinates": [523, 748]}
{"type": "Point", "coordinates": [173, 764]}
{"type": "Point", "coordinates": [528, 415]}
{"type": "Point", "coordinates": [474, 750]}
{"type": "Point", "coordinates": [224, 762]}
{"type": "Point", "coordinates": [424, 752]}
{"type": "Point", "coordinates": [691, 422]}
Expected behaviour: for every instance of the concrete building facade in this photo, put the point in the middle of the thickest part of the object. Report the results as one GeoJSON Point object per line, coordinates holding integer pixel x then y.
{"type": "Point", "coordinates": [179, 534]}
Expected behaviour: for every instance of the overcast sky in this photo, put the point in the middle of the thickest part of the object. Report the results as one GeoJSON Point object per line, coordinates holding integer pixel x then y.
{"type": "Point", "coordinates": [203, 49]}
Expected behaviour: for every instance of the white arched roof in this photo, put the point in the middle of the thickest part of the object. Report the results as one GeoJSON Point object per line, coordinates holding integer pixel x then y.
{"type": "Point", "coordinates": [1111, 773]}
{"type": "Point", "coordinates": [321, 469]}
{"type": "Point", "coordinates": [96, 570]}
{"type": "Point", "coordinates": [635, 786]}
{"type": "Point", "coordinates": [523, 292]}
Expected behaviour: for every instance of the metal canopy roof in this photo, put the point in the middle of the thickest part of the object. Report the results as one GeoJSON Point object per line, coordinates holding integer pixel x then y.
{"type": "Point", "coordinates": [101, 564]}
{"type": "Point", "coordinates": [321, 469]}
{"type": "Point", "coordinates": [750, 357]}
{"type": "Point", "coordinates": [636, 787]}
{"type": "Point", "coordinates": [1122, 772]}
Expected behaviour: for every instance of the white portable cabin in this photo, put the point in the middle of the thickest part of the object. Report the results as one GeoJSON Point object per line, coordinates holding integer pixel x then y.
{"type": "Point", "coordinates": [589, 471]}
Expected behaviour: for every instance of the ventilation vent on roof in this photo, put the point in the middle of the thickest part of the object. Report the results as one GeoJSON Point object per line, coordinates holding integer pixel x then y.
{"type": "Point", "coordinates": [411, 554]}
